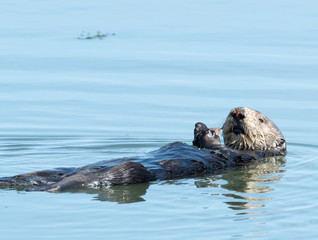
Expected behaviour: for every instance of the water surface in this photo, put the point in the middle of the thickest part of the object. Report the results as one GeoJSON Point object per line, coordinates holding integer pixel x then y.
{"type": "Point", "coordinates": [66, 102]}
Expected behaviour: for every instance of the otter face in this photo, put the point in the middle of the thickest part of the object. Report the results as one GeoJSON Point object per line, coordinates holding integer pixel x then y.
{"type": "Point", "coordinates": [247, 129]}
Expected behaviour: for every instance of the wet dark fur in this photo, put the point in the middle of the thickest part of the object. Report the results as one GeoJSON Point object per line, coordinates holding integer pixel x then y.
{"type": "Point", "coordinates": [173, 161]}
{"type": "Point", "coordinates": [205, 137]}
{"type": "Point", "coordinates": [176, 160]}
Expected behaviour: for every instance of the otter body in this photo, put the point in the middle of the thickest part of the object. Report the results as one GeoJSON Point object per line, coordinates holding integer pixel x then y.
{"type": "Point", "coordinates": [246, 138]}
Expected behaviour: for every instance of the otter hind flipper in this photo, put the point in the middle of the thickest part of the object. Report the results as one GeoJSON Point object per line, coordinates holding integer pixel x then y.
{"type": "Point", "coordinates": [39, 178]}
{"type": "Point", "coordinates": [120, 174]}
{"type": "Point", "coordinates": [126, 173]}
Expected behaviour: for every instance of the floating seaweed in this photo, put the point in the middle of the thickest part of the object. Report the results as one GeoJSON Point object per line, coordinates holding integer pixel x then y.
{"type": "Point", "coordinates": [98, 35]}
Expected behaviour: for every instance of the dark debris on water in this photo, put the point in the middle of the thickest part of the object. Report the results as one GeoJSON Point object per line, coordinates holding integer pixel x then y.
{"type": "Point", "coordinates": [98, 35]}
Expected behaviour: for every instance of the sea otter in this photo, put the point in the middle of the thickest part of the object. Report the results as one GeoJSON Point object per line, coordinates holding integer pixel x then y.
{"type": "Point", "coordinates": [248, 135]}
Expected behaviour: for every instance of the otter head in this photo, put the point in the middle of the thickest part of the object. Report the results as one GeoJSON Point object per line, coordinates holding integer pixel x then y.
{"type": "Point", "coordinates": [247, 129]}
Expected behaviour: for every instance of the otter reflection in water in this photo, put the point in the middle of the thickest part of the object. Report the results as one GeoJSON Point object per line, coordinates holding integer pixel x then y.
{"type": "Point", "coordinates": [246, 185]}
{"type": "Point", "coordinates": [248, 135]}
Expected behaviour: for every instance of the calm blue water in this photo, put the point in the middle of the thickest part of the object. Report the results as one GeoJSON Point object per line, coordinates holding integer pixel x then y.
{"type": "Point", "coordinates": [67, 102]}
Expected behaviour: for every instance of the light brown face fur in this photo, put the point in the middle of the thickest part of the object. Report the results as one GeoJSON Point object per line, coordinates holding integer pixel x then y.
{"type": "Point", "coordinates": [247, 129]}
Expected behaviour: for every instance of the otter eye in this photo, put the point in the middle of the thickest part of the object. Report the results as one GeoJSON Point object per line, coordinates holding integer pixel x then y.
{"type": "Point", "coordinates": [261, 120]}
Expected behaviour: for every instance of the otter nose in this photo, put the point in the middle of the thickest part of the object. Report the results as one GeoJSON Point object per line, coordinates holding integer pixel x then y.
{"type": "Point", "coordinates": [237, 114]}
